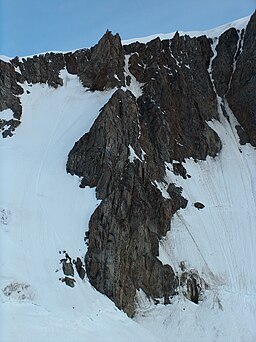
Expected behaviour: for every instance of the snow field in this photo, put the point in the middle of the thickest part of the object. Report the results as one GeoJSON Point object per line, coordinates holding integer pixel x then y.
{"type": "Point", "coordinates": [44, 212]}
{"type": "Point", "coordinates": [218, 241]}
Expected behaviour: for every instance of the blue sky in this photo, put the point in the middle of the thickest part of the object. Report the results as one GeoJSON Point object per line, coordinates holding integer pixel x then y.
{"type": "Point", "coordinates": [33, 26]}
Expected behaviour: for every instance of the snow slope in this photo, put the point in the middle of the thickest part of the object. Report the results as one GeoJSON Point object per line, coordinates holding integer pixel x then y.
{"type": "Point", "coordinates": [43, 211]}
{"type": "Point", "coordinates": [218, 241]}
{"type": "Point", "coordinates": [213, 33]}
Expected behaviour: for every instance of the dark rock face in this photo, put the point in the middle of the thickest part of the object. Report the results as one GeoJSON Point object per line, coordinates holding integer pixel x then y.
{"type": "Point", "coordinates": [42, 68]}
{"type": "Point", "coordinates": [160, 126]}
{"type": "Point", "coordinates": [241, 95]}
{"type": "Point", "coordinates": [124, 157]}
{"type": "Point", "coordinates": [104, 68]}
{"type": "Point", "coordinates": [179, 169]}
{"type": "Point", "coordinates": [177, 96]}
{"type": "Point", "coordinates": [101, 67]}
{"type": "Point", "coordinates": [125, 228]}
{"type": "Point", "coordinates": [9, 91]}
{"type": "Point", "coordinates": [223, 64]}
{"type": "Point", "coordinates": [242, 84]}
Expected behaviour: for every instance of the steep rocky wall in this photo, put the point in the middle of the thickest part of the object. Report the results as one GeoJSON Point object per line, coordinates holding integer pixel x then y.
{"type": "Point", "coordinates": [9, 92]}
{"type": "Point", "coordinates": [124, 156]}
{"type": "Point", "coordinates": [125, 153]}
{"type": "Point", "coordinates": [234, 70]}
{"type": "Point", "coordinates": [241, 95]}
{"type": "Point", "coordinates": [167, 123]}
{"type": "Point", "coordinates": [125, 228]}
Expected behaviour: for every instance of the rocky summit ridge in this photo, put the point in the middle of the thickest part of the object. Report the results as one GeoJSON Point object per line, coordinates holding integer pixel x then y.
{"type": "Point", "coordinates": [165, 93]}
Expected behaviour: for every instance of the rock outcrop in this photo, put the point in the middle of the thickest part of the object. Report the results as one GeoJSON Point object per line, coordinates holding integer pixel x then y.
{"type": "Point", "coordinates": [9, 92]}
{"type": "Point", "coordinates": [223, 64]}
{"type": "Point", "coordinates": [234, 70]}
{"type": "Point", "coordinates": [101, 67]}
{"type": "Point", "coordinates": [241, 95]}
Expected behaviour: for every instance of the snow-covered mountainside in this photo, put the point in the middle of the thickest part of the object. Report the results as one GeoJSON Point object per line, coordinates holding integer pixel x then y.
{"type": "Point", "coordinates": [129, 189]}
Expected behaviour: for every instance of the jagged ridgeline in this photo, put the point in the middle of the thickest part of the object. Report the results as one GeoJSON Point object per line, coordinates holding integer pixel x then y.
{"type": "Point", "coordinates": [184, 82]}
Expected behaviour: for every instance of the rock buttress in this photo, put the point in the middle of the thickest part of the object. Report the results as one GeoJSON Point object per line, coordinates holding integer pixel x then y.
{"type": "Point", "coordinates": [125, 229]}
{"type": "Point", "coordinates": [101, 67]}
{"type": "Point", "coordinates": [178, 97]}
{"type": "Point", "coordinates": [9, 92]}
{"type": "Point", "coordinates": [241, 95]}
{"type": "Point", "coordinates": [234, 70]}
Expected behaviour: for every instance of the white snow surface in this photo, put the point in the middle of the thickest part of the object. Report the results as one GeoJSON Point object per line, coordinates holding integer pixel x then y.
{"type": "Point", "coordinates": [212, 33]}
{"type": "Point", "coordinates": [6, 114]}
{"type": "Point", "coordinates": [43, 211]}
{"type": "Point", "coordinates": [217, 241]}
{"type": "Point", "coordinates": [135, 87]}
{"type": "Point", "coordinates": [5, 58]}
{"type": "Point", "coordinates": [132, 155]}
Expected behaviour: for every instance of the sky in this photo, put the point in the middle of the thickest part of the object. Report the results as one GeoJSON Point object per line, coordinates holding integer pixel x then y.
{"type": "Point", "coordinates": [28, 27]}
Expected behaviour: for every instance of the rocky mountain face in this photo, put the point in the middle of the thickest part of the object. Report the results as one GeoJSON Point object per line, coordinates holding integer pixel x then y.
{"type": "Point", "coordinates": [183, 83]}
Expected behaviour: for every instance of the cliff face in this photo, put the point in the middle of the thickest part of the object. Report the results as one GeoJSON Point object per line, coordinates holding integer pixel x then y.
{"type": "Point", "coordinates": [166, 91]}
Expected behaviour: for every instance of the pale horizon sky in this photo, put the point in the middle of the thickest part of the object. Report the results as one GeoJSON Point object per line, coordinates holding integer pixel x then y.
{"type": "Point", "coordinates": [28, 27]}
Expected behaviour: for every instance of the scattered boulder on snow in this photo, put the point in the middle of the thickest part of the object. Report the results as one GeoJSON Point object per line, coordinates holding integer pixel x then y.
{"type": "Point", "coordinates": [67, 265]}
{"type": "Point", "coordinates": [199, 205]}
{"type": "Point", "coordinates": [68, 281]}
{"type": "Point", "coordinates": [67, 268]}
